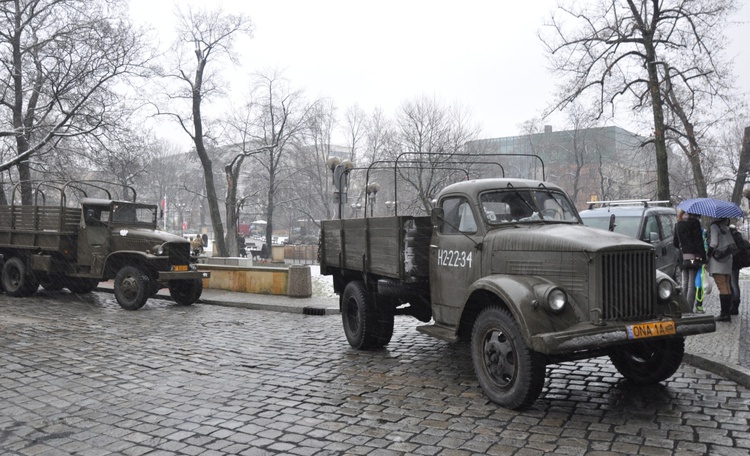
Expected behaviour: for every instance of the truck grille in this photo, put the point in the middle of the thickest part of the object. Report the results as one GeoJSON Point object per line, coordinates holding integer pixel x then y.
{"type": "Point", "coordinates": [179, 253]}
{"type": "Point", "coordinates": [628, 285]}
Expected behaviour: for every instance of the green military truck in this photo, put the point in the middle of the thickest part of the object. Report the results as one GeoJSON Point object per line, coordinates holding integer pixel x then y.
{"type": "Point", "coordinates": [508, 265]}
{"type": "Point", "coordinates": [58, 245]}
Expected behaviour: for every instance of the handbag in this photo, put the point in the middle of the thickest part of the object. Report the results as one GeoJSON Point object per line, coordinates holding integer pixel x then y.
{"type": "Point", "coordinates": [725, 251]}
{"type": "Point", "coordinates": [694, 263]}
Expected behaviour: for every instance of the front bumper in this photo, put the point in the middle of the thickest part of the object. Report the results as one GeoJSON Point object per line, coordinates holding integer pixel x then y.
{"type": "Point", "coordinates": [183, 275]}
{"type": "Point", "coordinates": [587, 336]}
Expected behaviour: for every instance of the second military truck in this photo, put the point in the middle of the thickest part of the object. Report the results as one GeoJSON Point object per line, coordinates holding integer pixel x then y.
{"type": "Point", "coordinates": [57, 245]}
{"type": "Point", "coordinates": [508, 265]}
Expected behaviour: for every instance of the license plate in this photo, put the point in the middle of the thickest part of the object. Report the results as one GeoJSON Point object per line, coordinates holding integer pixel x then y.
{"type": "Point", "coordinates": [656, 329]}
{"type": "Point", "coordinates": [180, 267]}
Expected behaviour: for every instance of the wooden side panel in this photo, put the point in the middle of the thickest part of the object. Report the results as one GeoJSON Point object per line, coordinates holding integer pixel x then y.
{"type": "Point", "coordinates": [354, 244]}
{"type": "Point", "coordinates": [378, 245]}
{"type": "Point", "coordinates": [385, 246]}
{"type": "Point", "coordinates": [39, 226]}
{"type": "Point", "coordinates": [331, 233]}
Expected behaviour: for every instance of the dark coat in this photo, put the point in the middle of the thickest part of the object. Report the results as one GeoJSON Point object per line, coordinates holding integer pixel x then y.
{"type": "Point", "coordinates": [688, 237]}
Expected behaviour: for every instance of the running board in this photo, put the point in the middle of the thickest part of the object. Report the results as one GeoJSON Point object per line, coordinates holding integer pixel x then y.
{"type": "Point", "coordinates": [440, 332]}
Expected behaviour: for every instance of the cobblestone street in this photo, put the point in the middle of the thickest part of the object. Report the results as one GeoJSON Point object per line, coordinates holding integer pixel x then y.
{"type": "Point", "coordinates": [79, 375]}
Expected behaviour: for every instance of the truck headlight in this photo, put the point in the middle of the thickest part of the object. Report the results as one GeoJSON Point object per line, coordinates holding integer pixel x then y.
{"type": "Point", "coordinates": [556, 299]}
{"type": "Point", "coordinates": [158, 250]}
{"type": "Point", "coordinates": [665, 289]}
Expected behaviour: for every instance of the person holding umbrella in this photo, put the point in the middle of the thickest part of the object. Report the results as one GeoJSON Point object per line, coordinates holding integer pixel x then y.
{"type": "Point", "coordinates": [721, 245]}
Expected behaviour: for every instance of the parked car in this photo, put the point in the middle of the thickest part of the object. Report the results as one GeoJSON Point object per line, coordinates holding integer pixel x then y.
{"type": "Point", "coordinates": [649, 221]}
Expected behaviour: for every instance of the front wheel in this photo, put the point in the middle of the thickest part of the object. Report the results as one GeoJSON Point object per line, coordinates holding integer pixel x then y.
{"type": "Point", "coordinates": [366, 327]}
{"type": "Point", "coordinates": [509, 372]}
{"type": "Point", "coordinates": [185, 292]}
{"type": "Point", "coordinates": [132, 288]}
{"type": "Point", "coordinates": [649, 362]}
{"type": "Point", "coordinates": [17, 279]}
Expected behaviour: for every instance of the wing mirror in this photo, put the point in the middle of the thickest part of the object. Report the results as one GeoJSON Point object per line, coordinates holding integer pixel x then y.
{"type": "Point", "coordinates": [437, 217]}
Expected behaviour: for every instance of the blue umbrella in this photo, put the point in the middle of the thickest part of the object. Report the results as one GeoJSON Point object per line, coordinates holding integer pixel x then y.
{"type": "Point", "coordinates": [711, 208]}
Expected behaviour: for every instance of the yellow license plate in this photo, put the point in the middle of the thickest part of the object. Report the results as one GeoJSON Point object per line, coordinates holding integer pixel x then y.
{"type": "Point", "coordinates": [656, 329]}
{"type": "Point", "coordinates": [180, 267]}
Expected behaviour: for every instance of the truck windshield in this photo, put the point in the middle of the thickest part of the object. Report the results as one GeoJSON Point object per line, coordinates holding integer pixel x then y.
{"type": "Point", "coordinates": [128, 213]}
{"type": "Point", "coordinates": [526, 205]}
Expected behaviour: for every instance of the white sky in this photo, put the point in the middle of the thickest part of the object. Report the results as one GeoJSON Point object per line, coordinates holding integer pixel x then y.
{"type": "Point", "coordinates": [482, 54]}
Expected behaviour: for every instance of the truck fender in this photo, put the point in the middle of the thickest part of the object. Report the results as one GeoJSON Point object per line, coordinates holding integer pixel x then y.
{"type": "Point", "coordinates": [524, 297]}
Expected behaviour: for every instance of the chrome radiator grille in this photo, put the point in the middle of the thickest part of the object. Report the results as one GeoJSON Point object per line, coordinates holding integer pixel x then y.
{"type": "Point", "coordinates": [628, 285]}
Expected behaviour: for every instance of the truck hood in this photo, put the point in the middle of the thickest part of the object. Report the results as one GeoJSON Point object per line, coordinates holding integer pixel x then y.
{"type": "Point", "coordinates": [560, 238]}
{"type": "Point", "coordinates": [154, 237]}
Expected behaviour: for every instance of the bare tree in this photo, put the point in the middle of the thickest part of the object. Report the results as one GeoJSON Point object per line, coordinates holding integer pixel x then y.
{"type": "Point", "coordinates": [432, 133]}
{"type": "Point", "coordinates": [642, 49]}
{"type": "Point", "coordinates": [278, 121]}
{"type": "Point", "coordinates": [203, 37]}
{"type": "Point", "coordinates": [59, 72]}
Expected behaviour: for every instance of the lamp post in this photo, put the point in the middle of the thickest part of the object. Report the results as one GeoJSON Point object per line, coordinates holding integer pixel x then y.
{"type": "Point", "coordinates": [340, 170]}
{"type": "Point", "coordinates": [356, 207]}
{"type": "Point", "coordinates": [372, 192]}
{"type": "Point", "coordinates": [389, 205]}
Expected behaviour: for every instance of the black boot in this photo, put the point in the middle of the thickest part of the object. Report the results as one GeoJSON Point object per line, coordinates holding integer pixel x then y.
{"type": "Point", "coordinates": [735, 309]}
{"type": "Point", "coordinates": [726, 304]}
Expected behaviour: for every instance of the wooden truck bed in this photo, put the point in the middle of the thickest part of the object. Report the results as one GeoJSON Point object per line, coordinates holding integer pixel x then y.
{"type": "Point", "coordinates": [46, 227]}
{"type": "Point", "coordinates": [395, 247]}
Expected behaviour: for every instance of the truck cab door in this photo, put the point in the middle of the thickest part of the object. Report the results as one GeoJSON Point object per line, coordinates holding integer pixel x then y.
{"type": "Point", "coordinates": [455, 259]}
{"type": "Point", "coordinates": [93, 238]}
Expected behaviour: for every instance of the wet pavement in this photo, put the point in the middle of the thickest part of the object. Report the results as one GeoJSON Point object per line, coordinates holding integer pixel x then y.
{"type": "Point", "coordinates": [259, 375]}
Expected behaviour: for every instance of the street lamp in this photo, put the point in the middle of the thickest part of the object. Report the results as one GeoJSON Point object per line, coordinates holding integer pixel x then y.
{"type": "Point", "coordinates": [340, 170]}
{"type": "Point", "coordinates": [389, 205]}
{"type": "Point", "coordinates": [372, 191]}
{"type": "Point", "coordinates": [356, 207]}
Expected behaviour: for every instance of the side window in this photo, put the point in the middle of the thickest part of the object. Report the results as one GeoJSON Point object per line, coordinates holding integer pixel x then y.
{"type": "Point", "coordinates": [458, 216]}
{"type": "Point", "coordinates": [667, 225]}
{"type": "Point", "coordinates": [651, 226]}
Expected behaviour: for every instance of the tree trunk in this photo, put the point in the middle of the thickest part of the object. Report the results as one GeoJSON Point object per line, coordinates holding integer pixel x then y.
{"type": "Point", "coordinates": [743, 167]}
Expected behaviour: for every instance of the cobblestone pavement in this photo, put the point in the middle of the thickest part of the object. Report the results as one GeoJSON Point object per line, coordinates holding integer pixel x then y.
{"type": "Point", "coordinates": [78, 375]}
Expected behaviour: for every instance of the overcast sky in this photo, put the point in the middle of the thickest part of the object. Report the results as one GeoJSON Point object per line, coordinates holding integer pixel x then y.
{"type": "Point", "coordinates": [483, 54]}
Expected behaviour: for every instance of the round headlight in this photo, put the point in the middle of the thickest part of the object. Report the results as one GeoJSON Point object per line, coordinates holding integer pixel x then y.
{"type": "Point", "coordinates": [556, 299]}
{"type": "Point", "coordinates": [665, 289]}
{"type": "Point", "coordinates": [160, 250]}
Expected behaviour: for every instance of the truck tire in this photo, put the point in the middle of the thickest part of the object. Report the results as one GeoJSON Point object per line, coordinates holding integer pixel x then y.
{"type": "Point", "coordinates": [185, 292]}
{"type": "Point", "coordinates": [364, 326]}
{"type": "Point", "coordinates": [509, 372]}
{"type": "Point", "coordinates": [131, 288]}
{"type": "Point", "coordinates": [82, 286]}
{"type": "Point", "coordinates": [18, 281]}
{"type": "Point", "coordinates": [649, 362]}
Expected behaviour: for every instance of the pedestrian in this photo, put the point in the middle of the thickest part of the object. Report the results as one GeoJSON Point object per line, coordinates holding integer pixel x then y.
{"type": "Point", "coordinates": [721, 247]}
{"type": "Point", "coordinates": [196, 245]}
{"type": "Point", "coordinates": [689, 239]}
{"type": "Point", "coordinates": [740, 260]}
{"type": "Point", "coordinates": [241, 246]}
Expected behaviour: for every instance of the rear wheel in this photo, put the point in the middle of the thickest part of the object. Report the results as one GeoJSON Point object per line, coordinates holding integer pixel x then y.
{"type": "Point", "coordinates": [509, 372]}
{"type": "Point", "coordinates": [365, 325]}
{"type": "Point", "coordinates": [18, 280]}
{"type": "Point", "coordinates": [185, 292]}
{"type": "Point", "coordinates": [132, 288]}
{"type": "Point", "coordinates": [649, 362]}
